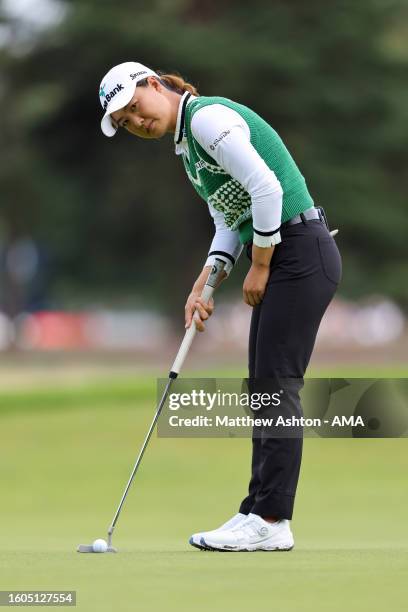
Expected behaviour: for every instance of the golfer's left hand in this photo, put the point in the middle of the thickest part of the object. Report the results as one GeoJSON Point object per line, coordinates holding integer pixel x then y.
{"type": "Point", "coordinates": [255, 284]}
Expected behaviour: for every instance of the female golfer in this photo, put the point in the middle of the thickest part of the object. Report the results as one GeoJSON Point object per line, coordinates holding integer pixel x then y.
{"type": "Point", "coordinates": [258, 198]}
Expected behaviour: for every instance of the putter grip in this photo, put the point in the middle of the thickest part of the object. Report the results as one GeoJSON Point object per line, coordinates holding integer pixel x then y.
{"type": "Point", "coordinates": [207, 292]}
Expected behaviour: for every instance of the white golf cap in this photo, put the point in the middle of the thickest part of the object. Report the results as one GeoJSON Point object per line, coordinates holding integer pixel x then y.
{"type": "Point", "coordinates": [117, 88]}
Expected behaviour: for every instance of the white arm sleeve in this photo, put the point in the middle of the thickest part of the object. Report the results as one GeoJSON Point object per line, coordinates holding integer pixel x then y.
{"type": "Point", "coordinates": [225, 136]}
{"type": "Point", "coordinates": [225, 245]}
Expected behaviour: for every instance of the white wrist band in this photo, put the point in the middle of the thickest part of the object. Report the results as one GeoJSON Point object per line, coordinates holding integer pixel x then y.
{"type": "Point", "coordinates": [266, 241]}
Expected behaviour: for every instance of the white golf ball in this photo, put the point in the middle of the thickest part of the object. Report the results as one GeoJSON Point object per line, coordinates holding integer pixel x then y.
{"type": "Point", "coordinates": [100, 546]}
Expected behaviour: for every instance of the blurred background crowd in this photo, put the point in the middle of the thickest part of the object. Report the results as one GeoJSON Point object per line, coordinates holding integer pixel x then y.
{"type": "Point", "coordinates": [101, 240]}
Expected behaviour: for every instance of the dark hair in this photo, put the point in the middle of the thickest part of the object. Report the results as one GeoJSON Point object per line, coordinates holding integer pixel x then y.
{"type": "Point", "coordinates": [174, 82]}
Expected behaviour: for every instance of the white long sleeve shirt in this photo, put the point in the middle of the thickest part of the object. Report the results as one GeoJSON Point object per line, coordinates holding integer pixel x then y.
{"type": "Point", "coordinates": [225, 136]}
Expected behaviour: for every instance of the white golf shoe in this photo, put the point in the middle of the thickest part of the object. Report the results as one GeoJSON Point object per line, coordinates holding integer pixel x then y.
{"type": "Point", "coordinates": [249, 535]}
{"type": "Point", "coordinates": [196, 538]}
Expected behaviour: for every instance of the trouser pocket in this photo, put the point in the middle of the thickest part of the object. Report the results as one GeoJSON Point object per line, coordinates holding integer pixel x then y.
{"type": "Point", "coordinates": [330, 258]}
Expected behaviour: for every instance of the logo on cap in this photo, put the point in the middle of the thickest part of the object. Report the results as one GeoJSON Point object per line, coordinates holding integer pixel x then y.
{"type": "Point", "coordinates": [108, 96]}
{"type": "Point", "coordinates": [134, 75]}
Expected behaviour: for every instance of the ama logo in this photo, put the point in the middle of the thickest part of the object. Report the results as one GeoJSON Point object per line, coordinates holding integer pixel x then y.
{"type": "Point", "coordinates": [108, 96]}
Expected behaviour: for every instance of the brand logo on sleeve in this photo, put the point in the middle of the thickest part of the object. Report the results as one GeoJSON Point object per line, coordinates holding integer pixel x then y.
{"type": "Point", "coordinates": [218, 140]}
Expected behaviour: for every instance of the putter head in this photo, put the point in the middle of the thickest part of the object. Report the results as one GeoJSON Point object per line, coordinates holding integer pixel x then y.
{"type": "Point", "coordinates": [88, 548]}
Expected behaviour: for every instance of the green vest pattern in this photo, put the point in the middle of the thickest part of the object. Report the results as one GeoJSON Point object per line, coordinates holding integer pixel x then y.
{"type": "Point", "coordinates": [225, 193]}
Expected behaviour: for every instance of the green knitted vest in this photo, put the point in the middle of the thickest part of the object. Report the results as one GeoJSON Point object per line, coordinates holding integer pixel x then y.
{"type": "Point", "coordinates": [225, 193]}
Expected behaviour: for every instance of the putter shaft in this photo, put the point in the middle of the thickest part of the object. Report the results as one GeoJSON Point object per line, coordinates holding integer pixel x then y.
{"type": "Point", "coordinates": [212, 282]}
{"type": "Point", "coordinates": [139, 459]}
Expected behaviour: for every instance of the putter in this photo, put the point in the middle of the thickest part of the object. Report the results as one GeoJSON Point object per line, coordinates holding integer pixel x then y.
{"type": "Point", "coordinates": [212, 281]}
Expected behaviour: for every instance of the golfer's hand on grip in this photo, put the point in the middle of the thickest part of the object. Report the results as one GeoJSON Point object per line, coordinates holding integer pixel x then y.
{"type": "Point", "coordinates": [195, 306]}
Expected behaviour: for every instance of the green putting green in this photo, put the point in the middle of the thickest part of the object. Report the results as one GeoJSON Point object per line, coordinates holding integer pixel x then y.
{"type": "Point", "coordinates": [65, 457]}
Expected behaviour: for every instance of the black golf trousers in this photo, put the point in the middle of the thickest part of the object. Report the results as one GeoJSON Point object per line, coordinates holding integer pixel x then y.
{"type": "Point", "coordinates": [305, 272]}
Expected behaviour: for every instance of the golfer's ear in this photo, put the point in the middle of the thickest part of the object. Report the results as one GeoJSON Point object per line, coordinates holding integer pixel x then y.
{"type": "Point", "coordinates": [155, 83]}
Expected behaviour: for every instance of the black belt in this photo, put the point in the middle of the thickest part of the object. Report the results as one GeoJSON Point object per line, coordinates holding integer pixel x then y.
{"type": "Point", "coordinates": [307, 215]}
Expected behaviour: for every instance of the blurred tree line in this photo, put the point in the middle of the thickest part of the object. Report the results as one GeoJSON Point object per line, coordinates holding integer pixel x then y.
{"type": "Point", "coordinates": [119, 218]}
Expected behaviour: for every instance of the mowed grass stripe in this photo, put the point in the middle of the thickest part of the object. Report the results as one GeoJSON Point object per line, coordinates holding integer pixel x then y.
{"type": "Point", "coordinates": [122, 391]}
